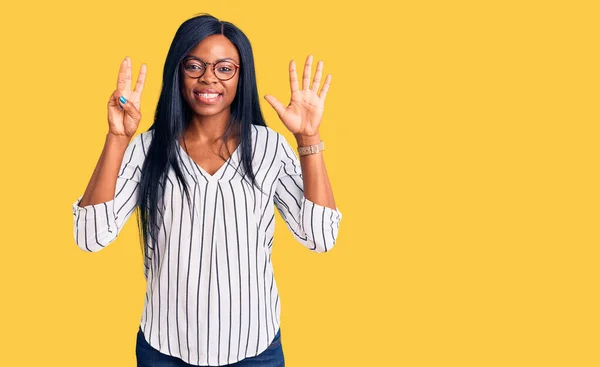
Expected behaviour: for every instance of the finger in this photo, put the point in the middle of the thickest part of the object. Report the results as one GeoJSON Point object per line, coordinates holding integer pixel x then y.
{"type": "Point", "coordinates": [278, 106]}
{"type": "Point", "coordinates": [132, 111]}
{"type": "Point", "coordinates": [306, 74]}
{"type": "Point", "coordinates": [325, 88]}
{"type": "Point", "coordinates": [118, 99]}
{"type": "Point", "coordinates": [114, 97]}
{"type": "Point", "coordinates": [317, 79]}
{"type": "Point", "coordinates": [293, 77]}
{"type": "Point", "coordinates": [122, 75]}
{"type": "Point", "coordinates": [139, 85]}
{"type": "Point", "coordinates": [128, 74]}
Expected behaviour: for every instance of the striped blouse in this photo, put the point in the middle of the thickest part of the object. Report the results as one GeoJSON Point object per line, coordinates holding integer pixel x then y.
{"type": "Point", "coordinates": [211, 297]}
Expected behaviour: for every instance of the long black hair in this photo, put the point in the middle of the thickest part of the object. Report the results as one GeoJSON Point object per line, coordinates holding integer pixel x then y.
{"type": "Point", "coordinates": [173, 115]}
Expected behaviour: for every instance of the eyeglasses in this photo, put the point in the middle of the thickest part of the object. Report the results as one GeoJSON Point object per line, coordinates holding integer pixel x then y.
{"type": "Point", "coordinates": [223, 70]}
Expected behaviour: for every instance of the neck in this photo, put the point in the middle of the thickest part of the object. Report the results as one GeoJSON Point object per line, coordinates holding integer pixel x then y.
{"type": "Point", "coordinates": [207, 129]}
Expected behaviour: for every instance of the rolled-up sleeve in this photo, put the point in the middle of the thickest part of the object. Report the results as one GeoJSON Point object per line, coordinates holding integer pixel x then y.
{"type": "Point", "coordinates": [97, 225]}
{"type": "Point", "coordinates": [313, 225]}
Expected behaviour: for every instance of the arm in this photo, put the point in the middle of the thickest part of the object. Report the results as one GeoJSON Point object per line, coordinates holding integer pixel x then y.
{"type": "Point", "coordinates": [311, 218]}
{"type": "Point", "coordinates": [111, 195]}
{"type": "Point", "coordinates": [304, 198]}
{"type": "Point", "coordinates": [101, 187]}
{"type": "Point", "coordinates": [316, 182]}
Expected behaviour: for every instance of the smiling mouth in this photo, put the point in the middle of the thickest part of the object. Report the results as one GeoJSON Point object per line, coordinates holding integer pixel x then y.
{"type": "Point", "coordinates": [207, 97]}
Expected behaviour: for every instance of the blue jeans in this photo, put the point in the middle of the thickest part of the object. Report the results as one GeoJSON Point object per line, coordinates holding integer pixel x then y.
{"type": "Point", "coordinates": [148, 356]}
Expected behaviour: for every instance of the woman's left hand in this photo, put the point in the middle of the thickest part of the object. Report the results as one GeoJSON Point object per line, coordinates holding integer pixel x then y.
{"type": "Point", "coordinates": [303, 114]}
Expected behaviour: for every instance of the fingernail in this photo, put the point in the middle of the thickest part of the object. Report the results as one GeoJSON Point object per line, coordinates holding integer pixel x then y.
{"type": "Point", "coordinates": [123, 99]}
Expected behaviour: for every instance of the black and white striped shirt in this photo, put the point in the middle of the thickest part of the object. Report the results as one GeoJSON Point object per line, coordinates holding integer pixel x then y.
{"type": "Point", "coordinates": [211, 298]}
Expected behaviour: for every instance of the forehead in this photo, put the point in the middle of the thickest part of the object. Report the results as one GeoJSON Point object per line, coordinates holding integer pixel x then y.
{"type": "Point", "coordinates": [215, 47]}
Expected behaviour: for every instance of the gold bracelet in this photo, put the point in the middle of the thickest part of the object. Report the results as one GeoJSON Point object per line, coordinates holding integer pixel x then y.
{"type": "Point", "coordinates": [311, 149]}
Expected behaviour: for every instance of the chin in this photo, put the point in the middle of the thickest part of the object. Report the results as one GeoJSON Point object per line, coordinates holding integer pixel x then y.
{"type": "Point", "coordinates": [208, 110]}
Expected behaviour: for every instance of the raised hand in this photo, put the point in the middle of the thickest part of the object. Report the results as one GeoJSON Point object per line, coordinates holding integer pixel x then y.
{"type": "Point", "coordinates": [303, 114]}
{"type": "Point", "coordinates": [124, 118]}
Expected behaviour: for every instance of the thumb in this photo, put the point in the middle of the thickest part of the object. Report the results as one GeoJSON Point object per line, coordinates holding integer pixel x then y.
{"type": "Point", "coordinates": [130, 108]}
{"type": "Point", "coordinates": [278, 106]}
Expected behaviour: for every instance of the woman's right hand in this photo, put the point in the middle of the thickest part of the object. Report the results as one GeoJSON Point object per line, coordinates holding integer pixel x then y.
{"type": "Point", "coordinates": [124, 118]}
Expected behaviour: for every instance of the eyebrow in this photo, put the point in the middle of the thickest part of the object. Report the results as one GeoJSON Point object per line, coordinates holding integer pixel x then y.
{"type": "Point", "coordinates": [197, 58]}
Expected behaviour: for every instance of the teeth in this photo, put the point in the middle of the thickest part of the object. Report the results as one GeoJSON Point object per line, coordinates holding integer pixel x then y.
{"type": "Point", "coordinates": [208, 95]}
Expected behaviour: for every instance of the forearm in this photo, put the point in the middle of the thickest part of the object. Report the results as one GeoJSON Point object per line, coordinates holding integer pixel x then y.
{"type": "Point", "coordinates": [317, 187]}
{"type": "Point", "coordinates": [101, 187]}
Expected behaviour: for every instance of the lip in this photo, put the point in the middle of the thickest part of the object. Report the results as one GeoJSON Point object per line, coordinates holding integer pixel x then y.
{"type": "Point", "coordinates": [207, 100]}
{"type": "Point", "coordinates": [206, 90]}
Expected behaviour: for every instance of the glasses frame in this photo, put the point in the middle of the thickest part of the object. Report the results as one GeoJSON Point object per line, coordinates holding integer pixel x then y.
{"type": "Point", "coordinates": [213, 64]}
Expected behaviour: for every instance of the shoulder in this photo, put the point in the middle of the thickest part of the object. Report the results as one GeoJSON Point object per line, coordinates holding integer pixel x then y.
{"type": "Point", "coordinates": [273, 137]}
{"type": "Point", "coordinates": [138, 146]}
{"type": "Point", "coordinates": [271, 142]}
{"type": "Point", "coordinates": [263, 131]}
{"type": "Point", "coordinates": [145, 139]}
{"type": "Point", "coordinates": [260, 132]}
{"type": "Point", "coordinates": [266, 137]}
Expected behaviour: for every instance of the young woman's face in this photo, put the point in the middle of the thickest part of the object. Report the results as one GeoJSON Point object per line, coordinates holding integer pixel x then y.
{"type": "Point", "coordinates": [200, 93]}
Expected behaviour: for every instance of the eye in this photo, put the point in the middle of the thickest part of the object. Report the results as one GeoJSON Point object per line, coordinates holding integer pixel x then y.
{"type": "Point", "coordinates": [225, 68]}
{"type": "Point", "coordinates": [193, 66]}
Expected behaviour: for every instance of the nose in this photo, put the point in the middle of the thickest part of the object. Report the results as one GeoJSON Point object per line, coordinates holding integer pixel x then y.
{"type": "Point", "coordinates": [206, 78]}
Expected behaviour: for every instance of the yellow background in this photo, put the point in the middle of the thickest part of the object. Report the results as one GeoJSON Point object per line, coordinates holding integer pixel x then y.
{"type": "Point", "coordinates": [461, 143]}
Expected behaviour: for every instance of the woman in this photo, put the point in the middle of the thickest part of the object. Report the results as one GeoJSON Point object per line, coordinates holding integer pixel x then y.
{"type": "Point", "coordinates": [206, 215]}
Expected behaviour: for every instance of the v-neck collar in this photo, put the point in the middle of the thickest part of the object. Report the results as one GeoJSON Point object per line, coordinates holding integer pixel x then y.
{"type": "Point", "coordinates": [220, 172]}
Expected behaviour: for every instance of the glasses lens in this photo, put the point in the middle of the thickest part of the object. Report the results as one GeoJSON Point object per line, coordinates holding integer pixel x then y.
{"type": "Point", "coordinates": [193, 68]}
{"type": "Point", "coordinates": [225, 70]}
